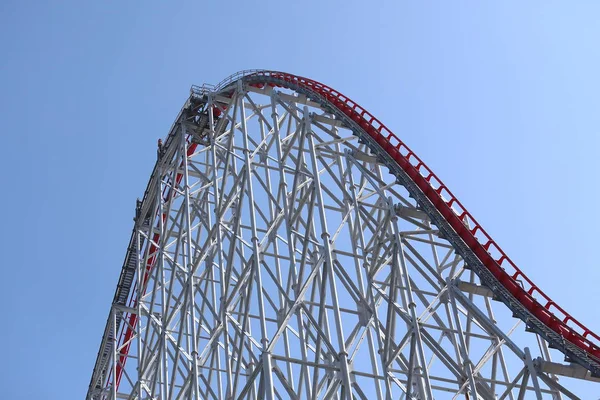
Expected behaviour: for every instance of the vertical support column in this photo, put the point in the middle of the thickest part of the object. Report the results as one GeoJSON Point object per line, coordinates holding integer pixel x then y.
{"type": "Point", "coordinates": [532, 374]}
{"type": "Point", "coordinates": [266, 354]}
{"type": "Point", "coordinates": [295, 286]}
{"type": "Point", "coordinates": [462, 344]}
{"type": "Point", "coordinates": [272, 214]}
{"type": "Point", "coordinates": [343, 353]}
{"type": "Point", "coordinates": [222, 280]}
{"type": "Point", "coordinates": [189, 266]}
{"type": "Point", "coordinates": [424, 383]}
{"type": "Point", "coordinates": [543, 345]}
{"type": "Point", "coordinates": [164, 386]}
{"type": "Point", "coordinates": [370, 297]}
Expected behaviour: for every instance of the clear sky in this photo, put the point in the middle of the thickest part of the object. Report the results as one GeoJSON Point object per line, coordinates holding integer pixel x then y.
{"type": "Point", "coordinates": [501, 99]}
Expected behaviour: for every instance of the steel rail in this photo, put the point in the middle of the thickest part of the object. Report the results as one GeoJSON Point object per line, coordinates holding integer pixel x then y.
{"type": "Point", "coordinates": [507, 281]}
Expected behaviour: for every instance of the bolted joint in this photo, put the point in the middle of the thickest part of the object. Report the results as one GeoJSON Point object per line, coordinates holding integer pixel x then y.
{"type": "Point", "coordinates": [364, 314]}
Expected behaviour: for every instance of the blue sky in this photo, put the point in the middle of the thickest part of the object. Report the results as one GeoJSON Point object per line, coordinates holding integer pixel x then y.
{"type": "Point", "coordinates": [500, 99]}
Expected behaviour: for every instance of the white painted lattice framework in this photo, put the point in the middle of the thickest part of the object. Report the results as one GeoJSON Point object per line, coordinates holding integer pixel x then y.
{"type": "Point", "coordinates": [274, 255]}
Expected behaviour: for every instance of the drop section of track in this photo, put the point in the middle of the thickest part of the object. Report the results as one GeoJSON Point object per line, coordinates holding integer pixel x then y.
{"type": "Point", "coordinates": [504, 270]}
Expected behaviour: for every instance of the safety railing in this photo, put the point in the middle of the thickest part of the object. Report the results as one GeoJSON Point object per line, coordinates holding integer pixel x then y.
{"type": "Point", "coordinates": [206, 88]}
